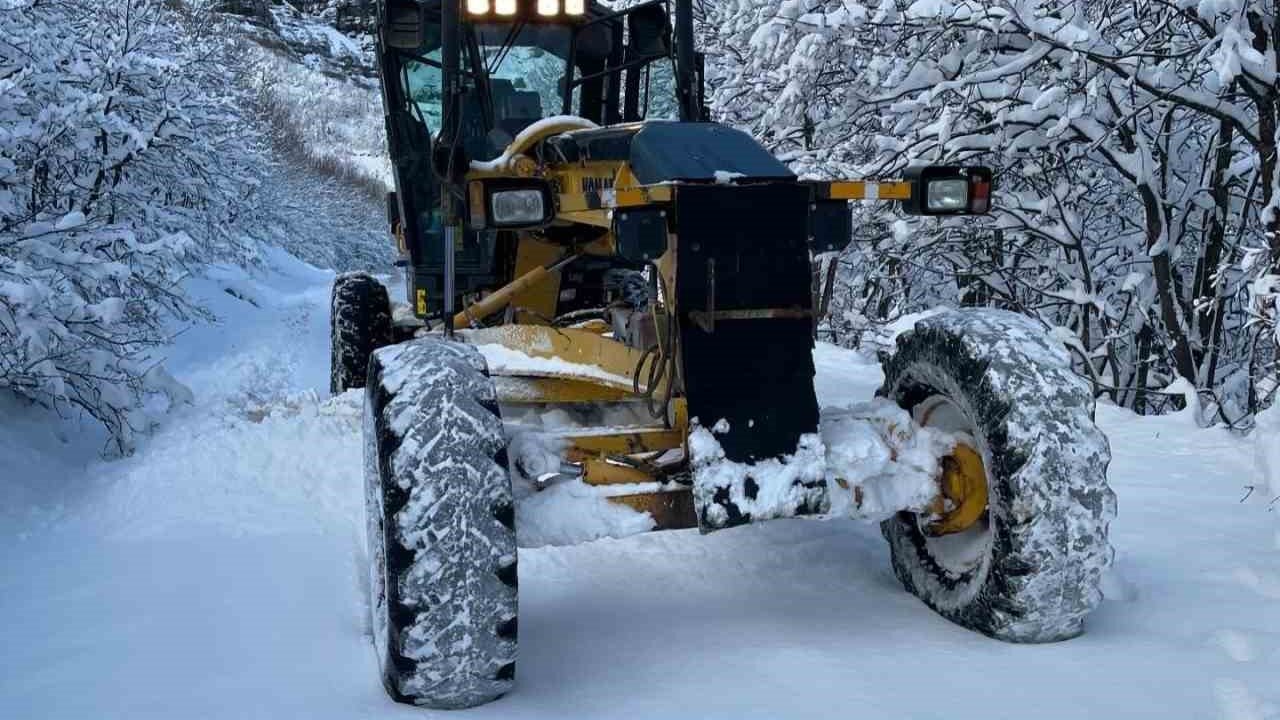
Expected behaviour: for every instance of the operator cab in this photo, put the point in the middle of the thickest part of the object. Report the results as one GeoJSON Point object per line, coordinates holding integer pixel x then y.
{"type": "Point", "coordinates": [516, 62]}
{"type": "Point", "coordinates": [596, 64]}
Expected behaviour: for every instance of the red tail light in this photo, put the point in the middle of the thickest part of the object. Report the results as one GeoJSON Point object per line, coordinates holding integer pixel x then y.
{"type": "Point", "coordinates": [979, 194]}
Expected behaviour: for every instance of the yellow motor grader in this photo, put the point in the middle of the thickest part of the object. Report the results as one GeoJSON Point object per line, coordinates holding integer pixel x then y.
{"type": "Point", "coordinates": [577, 235]}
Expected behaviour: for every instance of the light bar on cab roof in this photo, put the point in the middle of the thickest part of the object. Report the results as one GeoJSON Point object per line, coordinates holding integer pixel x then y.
{"type": "Point", "coordinates": [525, 8]}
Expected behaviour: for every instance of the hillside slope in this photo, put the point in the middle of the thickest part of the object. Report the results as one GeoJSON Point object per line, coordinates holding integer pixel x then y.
{"type": "Point", "coordinates": [318, 100]}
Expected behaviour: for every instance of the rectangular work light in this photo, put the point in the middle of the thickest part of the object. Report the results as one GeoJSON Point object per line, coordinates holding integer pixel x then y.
{"type": "Point", "coordinates": [509, 203]}
{"type": "Point", "coordinates": [948, 190]}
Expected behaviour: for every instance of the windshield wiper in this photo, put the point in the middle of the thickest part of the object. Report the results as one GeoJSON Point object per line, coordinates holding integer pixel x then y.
{"type": "Point", "coordinates": [507, 43]}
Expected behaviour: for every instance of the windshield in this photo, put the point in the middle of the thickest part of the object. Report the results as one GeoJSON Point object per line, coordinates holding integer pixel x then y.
{"type": "Point", "coordinates": [527, 73]}
{"type": "Point", "coordinates": [522, 82]}
{"type": "Point", "coordinates": [423, 88]}
{"type": "Point", "coordinates": [515, 75]}
{"type": "Point", "coordinates": [658, 99]}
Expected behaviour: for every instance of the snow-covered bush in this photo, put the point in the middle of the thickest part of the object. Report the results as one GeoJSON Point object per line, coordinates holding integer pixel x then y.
{"type": "Point", "coordinates": [122, 161]}
{"type": "Point", "coordinates": [138, 141]}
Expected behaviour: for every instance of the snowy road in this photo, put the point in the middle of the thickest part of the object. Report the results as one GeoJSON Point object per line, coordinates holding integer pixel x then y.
{"type": "Point", "coordinates": [218, 574]}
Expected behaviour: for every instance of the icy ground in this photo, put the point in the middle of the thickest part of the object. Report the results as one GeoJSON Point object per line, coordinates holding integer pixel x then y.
{"type": "Point", "coordinates": [217, 574]}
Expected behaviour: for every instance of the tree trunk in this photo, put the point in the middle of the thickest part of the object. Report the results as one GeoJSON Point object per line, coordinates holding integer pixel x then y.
{"type": "Point", "coordinates": [1162, 269]}
{"type": "Point", "coordinates": [1206, 287]}
{"type": "Point", "coordinates": [1144, 367]}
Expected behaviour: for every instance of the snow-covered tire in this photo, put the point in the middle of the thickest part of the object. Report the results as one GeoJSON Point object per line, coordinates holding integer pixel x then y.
{"type": "Point", "coordinates": [441, 525]}
{"type": "Point", "coordinates": [359, 323]}
{"type": "Point", "coordinates": [1036, 571]}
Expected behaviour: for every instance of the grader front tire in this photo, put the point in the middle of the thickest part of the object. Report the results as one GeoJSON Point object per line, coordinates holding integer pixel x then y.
{"type": "Point", "coordinates": [441, 526]}
{"type": "Point", "coordinates": [1030, 570]}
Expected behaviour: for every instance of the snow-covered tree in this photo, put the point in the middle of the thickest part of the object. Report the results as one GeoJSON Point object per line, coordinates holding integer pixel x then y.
{"type": "Point", "coordinates": [1134, 146]}
{"type": "Point", "coordinates": [122, 161]}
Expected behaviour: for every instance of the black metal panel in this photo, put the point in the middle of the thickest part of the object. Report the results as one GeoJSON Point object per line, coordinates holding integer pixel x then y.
{"type": "Point", "coordinates": [660, 151]}
{"type": "Point", "coordinates": [609, 143]}
{"type": "Point", "coordinates": [664, 151]}
{"type": "Point", "coordinates": [475, 266]}
{"type": "Point", "coordinates": [831, 225]}
{"type": "Point", "coordinates": [641, 235]}
{"type": "Point", "coordinates": [755, 373]}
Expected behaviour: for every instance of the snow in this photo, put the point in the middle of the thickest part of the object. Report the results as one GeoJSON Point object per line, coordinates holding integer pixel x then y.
{"type": "Point", "coordinates": [572, 512]}
{"type": "Point", "coordinates": [872, 448]}
{"type": "Point", "coordinates": [867, 456]}
{"type": "Point", "coordinates": [532, 456]}
{"type": "Point", "coordinates": [70, 221]}
{"type": "Point", "coordinates": [780, 486]}
{"type": "Point", "coordinates": [1267, 454]}
{"type": "Point", "coordinates": [507, 361]}
{"type": "Point", "coordinates": [219, 573]}
{"type": "Point", "coordinates": [521, 139]}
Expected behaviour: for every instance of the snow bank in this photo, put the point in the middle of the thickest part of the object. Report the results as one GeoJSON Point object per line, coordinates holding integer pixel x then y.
{"type": "Point", "coordinates": [573, 512]}
{"type": "Point", "coordinates": [1266, 438]}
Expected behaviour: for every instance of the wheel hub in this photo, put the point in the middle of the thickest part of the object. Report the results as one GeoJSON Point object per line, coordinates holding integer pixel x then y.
{"type": "Point", "coordinates": [963, 498]}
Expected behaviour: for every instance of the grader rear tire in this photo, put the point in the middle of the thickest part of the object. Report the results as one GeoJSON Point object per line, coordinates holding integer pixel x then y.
{"type": "Point", "coordinates": [1030, 570]}
{"type": "Point", "coordinates": [360, 322]}
{"type": "Point", "coordinates": [441, 526]}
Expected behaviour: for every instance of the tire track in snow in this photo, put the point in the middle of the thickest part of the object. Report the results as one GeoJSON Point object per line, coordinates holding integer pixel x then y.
{"type": "Point", "coordinates": [1235, 699]}
{"type": "Point", "coordinates": [1236, 644]}
{"type": "Point", "coordinates": [1236, 702]}
{"type": "Point", "coordinates": [1262, 582]}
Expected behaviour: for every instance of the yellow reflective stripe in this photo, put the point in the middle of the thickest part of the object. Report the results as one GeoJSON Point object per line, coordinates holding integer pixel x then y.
{"type": "Point", "coordinates": [633, 197]}
{"type": "Point", "coordinates": [610, 199]}
{"type": "Point", "coordinates": [575, 202]}
{"type": "Point", "coordinates": [870, 190]}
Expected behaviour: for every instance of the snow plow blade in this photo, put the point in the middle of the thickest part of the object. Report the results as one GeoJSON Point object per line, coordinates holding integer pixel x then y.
{"type": "Point", "coordinates": [670, 510]}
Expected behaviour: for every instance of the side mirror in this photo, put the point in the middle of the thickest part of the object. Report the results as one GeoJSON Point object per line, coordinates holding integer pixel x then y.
{"type": "Point", "coordinates": [450, 162]}
{"type": "Point", "coordinates": [402, 23]}
{"type": "Point", "coordinates": [509, 204]}
{"type": "Point", "coordinates": [393, 210]}
{"type": "Point", "coordinates": [948, 190]}
{"type": "Point", "coordinates": [649, 28]}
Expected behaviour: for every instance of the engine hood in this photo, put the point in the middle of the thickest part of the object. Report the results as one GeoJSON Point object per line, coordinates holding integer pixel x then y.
{"type": "Point", "coordinates": [660, 151]}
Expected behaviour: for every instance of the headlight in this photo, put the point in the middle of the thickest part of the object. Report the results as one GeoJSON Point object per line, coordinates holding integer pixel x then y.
{"type": "Point", "coordinates": [948, 195]}
{"type": "Point", "coordinates": [947, 190]}
{"type": "Point", "coordinates": [516, 207]}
